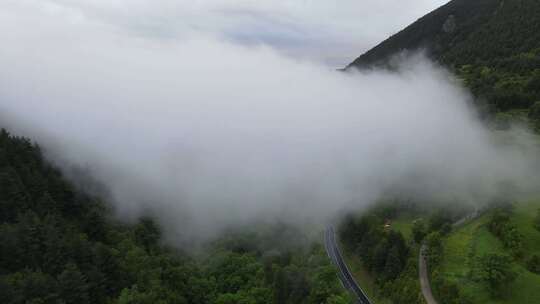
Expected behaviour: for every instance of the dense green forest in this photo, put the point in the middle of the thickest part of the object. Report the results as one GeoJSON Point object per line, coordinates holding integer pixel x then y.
{"type": "Point", "coordinates": [386, 256]}
{"type": "Point", "coordinates": [59, 244]}
{"type": "Point", "coordinates": [492, 45]}
{"type": "Point", "coordinates": [389, 251]}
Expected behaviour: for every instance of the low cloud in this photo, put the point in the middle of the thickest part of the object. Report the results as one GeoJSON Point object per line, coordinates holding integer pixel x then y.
{"type": "Point", "coordinates": [206, 134]}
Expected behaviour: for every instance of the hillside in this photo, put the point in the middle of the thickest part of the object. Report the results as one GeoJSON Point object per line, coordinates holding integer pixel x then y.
{"type": "Point", "coordinates": [59, 244]}
{"type": "Point", "coordinates": [465, 248]}
{"type": "Point", "coordinates": [493, 45]}
{"type": "Point", "coordinates": [438, 31]}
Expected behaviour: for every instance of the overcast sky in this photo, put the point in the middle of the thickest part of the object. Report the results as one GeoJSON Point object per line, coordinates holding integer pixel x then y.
{"type": "Point", "coordinates": [331, 32]}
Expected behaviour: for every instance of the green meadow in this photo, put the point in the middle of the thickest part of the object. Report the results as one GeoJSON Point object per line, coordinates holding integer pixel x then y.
{"type": "Point", "coordinates": [463, 248]}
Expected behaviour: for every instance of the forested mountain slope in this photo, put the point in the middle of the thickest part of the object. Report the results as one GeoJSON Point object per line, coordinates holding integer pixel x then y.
{"type": "Point", "coordinates": [493, 45]}
{"type": "Point", "coordinates": [60, 245]}
{"type": "Point", "coordinates": [438, 31]}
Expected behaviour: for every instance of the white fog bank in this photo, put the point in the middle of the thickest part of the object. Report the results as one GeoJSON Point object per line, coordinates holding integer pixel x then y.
{"type": "Point", "coordinates": [206, 134]}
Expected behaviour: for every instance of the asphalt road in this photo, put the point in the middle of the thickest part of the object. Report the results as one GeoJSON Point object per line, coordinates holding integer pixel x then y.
{"type": "Point", "coordinates": [332, 249]}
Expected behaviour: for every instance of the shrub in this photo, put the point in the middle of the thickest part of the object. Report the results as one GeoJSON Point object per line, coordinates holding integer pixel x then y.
{"type": "Point", "coordinates": [533, 265]}
{"type": "Point", "coordinates": [496, 270]}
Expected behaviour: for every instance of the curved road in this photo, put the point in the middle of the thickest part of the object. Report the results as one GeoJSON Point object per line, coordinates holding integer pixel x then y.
{"type": "Point", "coordinates": [345, 275]}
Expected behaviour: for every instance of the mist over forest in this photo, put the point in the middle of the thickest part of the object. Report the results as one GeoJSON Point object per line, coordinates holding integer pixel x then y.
{"type": "Point", "coordinates": [269, 152]}
{"type": "Point", "coordinates": [204, 133]}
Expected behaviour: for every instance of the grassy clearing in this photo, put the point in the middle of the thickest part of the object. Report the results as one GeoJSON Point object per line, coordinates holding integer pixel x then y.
{"type": "Point", "coordinates": [465, 245]}
{"type": "Point", "coordinates": [457, 250]}
{"type": "Point", "coordinates": [404, 224]}
{"type": "Point", "coordinates": [523, 218]}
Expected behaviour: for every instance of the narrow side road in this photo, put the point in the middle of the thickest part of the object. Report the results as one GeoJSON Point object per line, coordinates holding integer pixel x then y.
{"type": "Point", "coordinates": [424, 277]}
{"type": "Point", "coordinates": [422, 263]}
{"type": "Point", "coordinates": [332, 249]}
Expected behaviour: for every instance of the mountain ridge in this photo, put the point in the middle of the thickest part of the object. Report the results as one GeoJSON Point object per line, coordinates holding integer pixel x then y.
{"type": "Point", "coordinates": [430, 31]}
{"type": "Point", "coordinates": [492, 45]}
